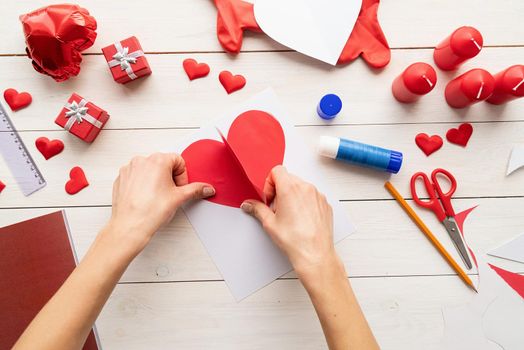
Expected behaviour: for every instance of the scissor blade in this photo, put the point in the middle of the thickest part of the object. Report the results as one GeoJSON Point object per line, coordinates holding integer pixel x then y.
{"type": "Point", "coordinates": [456, 238]}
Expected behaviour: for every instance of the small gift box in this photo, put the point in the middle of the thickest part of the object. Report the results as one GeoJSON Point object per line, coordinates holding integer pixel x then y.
{"type": "Point", "coordinates": [82, 118]}
{"type": "Point", "coordinates": [126, 60]}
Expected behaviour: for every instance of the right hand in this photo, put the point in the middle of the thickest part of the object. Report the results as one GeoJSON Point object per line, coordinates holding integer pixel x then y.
{"type": "Point", "coordinates": [300, 221]}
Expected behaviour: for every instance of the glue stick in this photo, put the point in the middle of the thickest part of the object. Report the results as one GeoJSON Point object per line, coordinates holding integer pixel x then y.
{"type": "Point", "coordinates": [360, 154]}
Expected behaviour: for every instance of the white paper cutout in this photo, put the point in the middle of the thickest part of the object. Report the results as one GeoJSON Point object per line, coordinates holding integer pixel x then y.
{"type": "Point", "coordinates": [512, 250]}
{"type": "Point", "coordinates": [486, 322]}
{"type": "Point", "coordinates": [242, 251]}
{"type": "Point", "coordinates": [516, 160]}
{"type": "Point", "coordinates": [316, 28]}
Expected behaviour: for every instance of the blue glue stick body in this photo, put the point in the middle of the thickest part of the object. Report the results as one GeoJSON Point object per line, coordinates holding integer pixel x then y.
{"type": "Point", "coordinates": [360, 154]}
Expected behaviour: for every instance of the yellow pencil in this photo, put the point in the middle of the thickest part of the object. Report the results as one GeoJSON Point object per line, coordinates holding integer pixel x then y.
{"type": "Point", "coordinates": [418, 221]}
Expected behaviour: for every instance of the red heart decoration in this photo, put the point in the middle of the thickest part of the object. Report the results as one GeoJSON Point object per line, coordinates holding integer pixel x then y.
{"type": "Point", "coordinates": [231, 82]}
{"type": "Point", "coordinates": [49, 148]}
{"type": "Point", "coordinates": [77, 181]}
{"type": "Point", "coordinates": [17, 100]}
{"type": "Point", "coordinates": [428, 144]}
{"type": "Point", "coordinates": [461, 135]}
{"type": "Point", "coordinates": [238, 167]}
{"type": "Point", "coordinates": [195, 70]}
{"type": "Point", "coordinates": [2, 186]}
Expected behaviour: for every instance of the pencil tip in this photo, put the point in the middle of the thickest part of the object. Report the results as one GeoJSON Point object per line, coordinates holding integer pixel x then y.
{"type": "Point", "coordinates": [475, 289]}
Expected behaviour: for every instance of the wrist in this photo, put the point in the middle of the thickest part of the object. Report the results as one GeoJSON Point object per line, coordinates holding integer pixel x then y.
{"type": "Point", "coordinates": [330, 267]}
{"type": "Point", "coordinates": [121, 240]}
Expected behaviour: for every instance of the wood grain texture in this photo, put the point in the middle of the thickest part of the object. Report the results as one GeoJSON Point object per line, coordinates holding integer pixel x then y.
{"type": "Point", "coordinates": [385, 244]}
{"type": "Point", "coordinates": [190, 25]}
{"type": "Point", "coordinates": [167, 99]}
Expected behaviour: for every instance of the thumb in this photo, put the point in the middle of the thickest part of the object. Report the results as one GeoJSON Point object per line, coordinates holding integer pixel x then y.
{"type": "Point", "coordinates": [195, 190]}
{"type": "Point", "coordinates": [258, 210]}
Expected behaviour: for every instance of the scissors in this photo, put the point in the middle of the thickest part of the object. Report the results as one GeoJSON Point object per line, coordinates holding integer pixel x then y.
{"type": "Point", "coordinates": [440, 203]}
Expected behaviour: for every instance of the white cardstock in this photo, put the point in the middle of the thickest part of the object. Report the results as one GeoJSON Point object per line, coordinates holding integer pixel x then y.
{"type": "Point", "coordinates": [516, 160]}
{"type": "Point", "coordinates": [316, 28]}
{"type": "Point", "coordinates": [512, 250]}
{"type": "Point", "coordinates": [244, 254]}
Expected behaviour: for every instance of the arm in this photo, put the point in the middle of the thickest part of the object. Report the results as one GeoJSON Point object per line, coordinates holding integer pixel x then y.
{"type": "Point", "coordinates": [146, 195]}
{"type": "Point", "coordinates": [300, 223]}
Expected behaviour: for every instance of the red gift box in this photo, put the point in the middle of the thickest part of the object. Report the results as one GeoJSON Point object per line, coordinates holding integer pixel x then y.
{"type": "Point", "coordinates": [82, 118]}
{"type": "Point", "coordinates": [126, 60]}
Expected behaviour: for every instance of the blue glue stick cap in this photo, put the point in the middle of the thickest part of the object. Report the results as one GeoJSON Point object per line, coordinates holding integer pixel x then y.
{"type": "Point", "coordinates": [330, 105]}
{"type": "Point", "coordinates": [395, 162]}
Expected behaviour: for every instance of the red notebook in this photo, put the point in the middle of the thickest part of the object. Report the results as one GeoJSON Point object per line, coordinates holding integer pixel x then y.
{"type": "Point", "coordinates": [36, 257]}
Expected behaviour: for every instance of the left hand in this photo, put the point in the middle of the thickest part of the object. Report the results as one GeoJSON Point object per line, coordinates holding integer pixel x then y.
{"type": "Point", "coordinates": [147, 194]}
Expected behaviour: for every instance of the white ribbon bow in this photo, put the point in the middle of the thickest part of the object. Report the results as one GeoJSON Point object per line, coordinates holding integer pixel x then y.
{"type": "Point", "coordinates": [124, 59]}
{"type": "Point", "coordinates": [77, 112]}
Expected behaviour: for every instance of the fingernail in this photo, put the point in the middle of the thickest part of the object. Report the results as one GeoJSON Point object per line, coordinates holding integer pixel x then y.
{"type": "Point", "coordinates": [247, 207]}
{"type": "Point", "coordinates": [208, 191]}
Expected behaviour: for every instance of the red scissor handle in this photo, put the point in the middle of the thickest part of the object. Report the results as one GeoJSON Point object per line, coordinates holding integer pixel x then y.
{"type": "Point", "coordinates": [433, 203]}
{"type": "Point", "coordinates": [445, 198]}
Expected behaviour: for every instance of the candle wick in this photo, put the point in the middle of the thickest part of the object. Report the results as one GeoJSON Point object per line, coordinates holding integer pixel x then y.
{"type": "Point", "coordinates": [480, 90]}
{"type": "Point", "coordinates": [428, 81]}
{"type": "Point", "coordinates": [476, 44]}
{"type": "Point", "coordinates": [518, 85]}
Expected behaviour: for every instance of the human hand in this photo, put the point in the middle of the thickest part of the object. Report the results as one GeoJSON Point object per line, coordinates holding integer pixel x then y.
{"type": "Point", "coordinates": [300, 221]}
{"type": "Point", "coordinates": [147, 193]}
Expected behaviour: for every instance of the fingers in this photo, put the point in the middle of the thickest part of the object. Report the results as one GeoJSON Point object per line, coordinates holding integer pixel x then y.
{"type": "Point", "coordinates": [179, 169]}
{"type": "Point", "coordinates": [260, 211]}
{"type": "Point", "coordinates": [195, 190]}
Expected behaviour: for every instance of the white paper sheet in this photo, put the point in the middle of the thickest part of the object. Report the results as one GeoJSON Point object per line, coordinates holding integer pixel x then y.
{"type": "Point", "coordinates": [317, 28]}
{"type": "Point", "coordinates": [512, 250]}
{"type": "Point", "coordinates": [242, 251]}
{"type": "Point", "coordinates": [516, 160]}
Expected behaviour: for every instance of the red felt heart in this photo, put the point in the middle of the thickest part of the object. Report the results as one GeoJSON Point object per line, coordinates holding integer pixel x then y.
{"type": "Point", "coordinates": [428, 144]}
{"type": "Point", "coordinates": [461, 135]}
{"type": "Point", "coordinates": [49, 148]}
{"type": "Point", "coordinates": [231, 82]}
{"type": "Point", "coordinates": [17, 100]}
{"type": "Point", "coordinates": [238, 167]}
{"type": "Point", "coordinates": [195, 70]}
{"type": "Point", "coordinates": [2, 186]}
{"type": "Point", "coordinates": [77, 181]}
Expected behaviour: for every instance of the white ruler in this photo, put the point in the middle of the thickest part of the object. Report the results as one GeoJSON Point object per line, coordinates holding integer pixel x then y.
{"type": "Point", "coordinates": [17, 157]}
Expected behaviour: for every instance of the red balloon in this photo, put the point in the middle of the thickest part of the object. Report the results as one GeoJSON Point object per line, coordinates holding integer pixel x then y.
{"type": "Point", "coordinates": [55, 37]}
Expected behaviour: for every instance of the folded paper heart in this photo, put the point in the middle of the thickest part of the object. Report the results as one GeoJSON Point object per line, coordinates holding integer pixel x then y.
{"type": "Point", "coordinates": [195, 70]}
{"type": "Point", "coordinates": [461, 135]}
{"type": "Point", "coordinates": [428, 144]}
{"type": "Point", "coordinates": [238, 166]}
{"type": "Point", "coordinates": [231, 82]}
{"type": "Point", "coordinates": [17, 100]}
{"type": "Point", "coordinates": [49, 148]}
{"type": "Point", "coordinates": [77, 181]}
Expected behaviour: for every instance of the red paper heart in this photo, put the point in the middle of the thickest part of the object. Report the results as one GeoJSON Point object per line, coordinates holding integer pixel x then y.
{"type": "Point", "coordinates": [428, 144]}
{"type": "Point", "coordinates": [238, 168]}
{"type": "Point", "coordinates": [461, 135]}
{"type": "Point", "coordinates": [195, 70]}
{"type": "Point", "coordinates": [49, 148]}
{"type": "Point", "coordinates": [231, 82]}
{"type": "Point", "coordinates": [77, 181]}
{"type": "Point", "coordinates": [17, 100]}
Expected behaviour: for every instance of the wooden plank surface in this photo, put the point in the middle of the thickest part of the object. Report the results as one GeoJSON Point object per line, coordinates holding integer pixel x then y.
{"type": "Point", "coordinates": [190, 25]}
{"type": "Point", "coordinates": [168, 99]}
{"type": "Point", "coordinates": [172, 296]}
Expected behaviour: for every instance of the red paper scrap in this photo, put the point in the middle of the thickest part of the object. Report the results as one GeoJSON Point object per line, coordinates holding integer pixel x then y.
{"type": "Point", "coordinates": [514, 280]}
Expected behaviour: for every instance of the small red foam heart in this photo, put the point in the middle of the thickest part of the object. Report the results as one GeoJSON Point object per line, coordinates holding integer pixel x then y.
{"type": "Point", "coordinates": [238, 167]}
{"type": "Point", "coordinates": [461, 135]}
{"type": "Point", "coordinates": [195, 70]}
{"type": "Point", "coordinates": [49, 148]}
{"type": "Point", "coordinates": [428, 144]}
{"type": "Point", "coordinates": [2, 186]}
{"type": "Point", "coordinates": [17, 100]}
{"type": "Point", "coordinates": [77, 181]}
{"type": "Point", "coordinates": [231, 82]}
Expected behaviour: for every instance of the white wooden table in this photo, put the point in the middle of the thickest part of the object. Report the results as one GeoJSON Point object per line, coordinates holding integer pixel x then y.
{"type": "Point", "coordinates": [172, 296]}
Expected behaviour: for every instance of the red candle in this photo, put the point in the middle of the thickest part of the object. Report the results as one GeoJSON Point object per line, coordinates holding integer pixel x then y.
{"type": "Point", "coordinates": [417, 80]}
{"type": "Point", "coordinates": [509, 85]}
{"type": "Point", "coordinates": [471, 87]}
{"type": "Point", "coordinates": [463, 44]}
